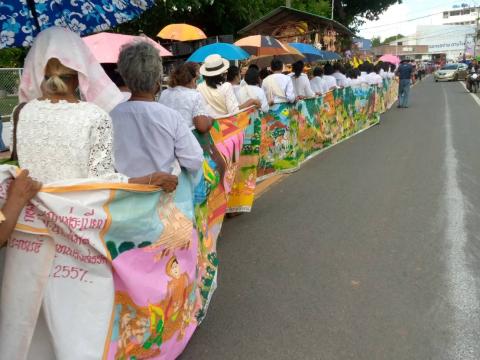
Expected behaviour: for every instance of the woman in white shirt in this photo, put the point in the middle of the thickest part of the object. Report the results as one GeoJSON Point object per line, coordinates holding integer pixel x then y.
{"type": "Point", "coordinates": [233, 77]}
{"type": "Point", "coordinates": [373, 77]}
{"type": "Point", "coordinates": [218, 93]}
{"type": "Point", "coordinates": [300, 81]}
{"type": "Point", "coordinates": [252, 90]}
{"type": "Point", "coordinates": [353, 78]}
{"type": "Point", "coordinates": [329, 78]}
{"type": "Point", "coordinates": [149, 136]}
{"type": "Point", "coordinates": [183, 97]}
{"type": "Point", "coordinates": [317, 84]}
{"type": "Point", "coordinates": [59, 137]}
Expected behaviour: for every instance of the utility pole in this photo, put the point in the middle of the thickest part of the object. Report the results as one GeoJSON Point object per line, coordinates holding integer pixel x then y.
{"type": "Point", "coordinates": [476, 33]}
{"type": "Point", "coordinates": [333, 7]}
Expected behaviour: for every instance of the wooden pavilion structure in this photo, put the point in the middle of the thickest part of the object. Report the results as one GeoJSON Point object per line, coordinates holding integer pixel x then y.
{"type": "Point", "coordinates": [292, 25]}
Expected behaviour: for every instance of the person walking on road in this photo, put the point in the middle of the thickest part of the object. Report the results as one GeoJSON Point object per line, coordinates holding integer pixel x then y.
{"type": "Point", "coordinates": [405, 74]}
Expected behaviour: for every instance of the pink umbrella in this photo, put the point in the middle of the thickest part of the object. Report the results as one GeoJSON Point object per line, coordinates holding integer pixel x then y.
{"type": "Point", "coordinates": [390, 58]}
{"type": "Point", "coordinates": [106, 46]}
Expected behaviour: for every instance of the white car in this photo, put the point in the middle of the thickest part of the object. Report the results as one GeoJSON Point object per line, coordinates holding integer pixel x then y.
{"type": "Point", "coordinates": [452, 72]}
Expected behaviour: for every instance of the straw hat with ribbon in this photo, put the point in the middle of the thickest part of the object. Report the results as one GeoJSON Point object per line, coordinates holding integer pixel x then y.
{"type": "Point", "coordinates": [214, 65]}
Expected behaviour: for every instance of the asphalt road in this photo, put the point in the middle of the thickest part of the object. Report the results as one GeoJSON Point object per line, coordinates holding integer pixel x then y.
{"type": "Point", "coordinates": [370, 251]}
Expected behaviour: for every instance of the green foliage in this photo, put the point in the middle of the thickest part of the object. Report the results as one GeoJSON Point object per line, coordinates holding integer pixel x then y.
{"type": "Point", "coordinates": [228, 16]}
{"type": "Point", "coordinates": [9, 81]}
{"type": "Point", "coordinates": [12, 57]}
{"type": "Point", "coordinates": [376, 41]}
{"type": "Point", "coordinates": [389, 39]}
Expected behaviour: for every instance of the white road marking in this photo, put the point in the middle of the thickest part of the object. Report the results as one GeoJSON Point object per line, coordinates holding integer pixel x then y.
{"type": "Point", "coordinates": [462, 286]}
{"type": "Point", "coordinates": [474, 96]}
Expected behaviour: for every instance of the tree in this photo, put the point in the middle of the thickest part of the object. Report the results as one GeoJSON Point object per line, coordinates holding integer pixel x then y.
{"type": "Point", "coordinates": [376, 41]}
{"type": "Point", "coordinates": [12, 57]}
{"type": "Point", "coordinates": [214, 17]}
{"type": "Point", "coordinates": [228, 16]}
{"type": "Point", "coordinates": [389, 39]}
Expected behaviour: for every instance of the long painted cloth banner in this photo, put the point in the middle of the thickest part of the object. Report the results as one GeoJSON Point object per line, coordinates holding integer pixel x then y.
{"type": "Point", "coordinates": [115, 269]}
{"type": "Point", "coordinates": [128, 271]}
{"type": "Point", "coordinates": [280, 140]}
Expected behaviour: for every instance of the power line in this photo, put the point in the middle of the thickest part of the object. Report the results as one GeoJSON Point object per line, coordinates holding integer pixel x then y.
{"type": "Point", "coordinates": [400, 22]}
{"type": "Point", "coordinates": [411, 19]}
{"type": "Point", "coordinates": [437, 34]}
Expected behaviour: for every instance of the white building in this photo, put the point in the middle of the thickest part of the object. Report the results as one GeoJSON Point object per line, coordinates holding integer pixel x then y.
{"type": "Point", "coordinates": [452, 40]}
{"type": "Point", "coordinates": [461, 16]}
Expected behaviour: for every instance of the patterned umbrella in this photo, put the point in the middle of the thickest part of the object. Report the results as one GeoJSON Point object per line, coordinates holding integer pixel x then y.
{"type": "Point", "coordinates": [260, 45]}
{"type": "Point", "coordinates": [181, 32]}
{"type": "Point", "coordinates": [21, 20]}
{"type": "Point", "coordinates": [106, 46]}
{"type": "Point", "coordinates": [289, 56]}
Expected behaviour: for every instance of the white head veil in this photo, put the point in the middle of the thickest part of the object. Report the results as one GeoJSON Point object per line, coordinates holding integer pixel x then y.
{"type": "Point", "coordinates": [69, 48]}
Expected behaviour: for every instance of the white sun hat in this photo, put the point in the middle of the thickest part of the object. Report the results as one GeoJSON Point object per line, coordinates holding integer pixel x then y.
{"type": "Point", "coordinates": [214, 65]}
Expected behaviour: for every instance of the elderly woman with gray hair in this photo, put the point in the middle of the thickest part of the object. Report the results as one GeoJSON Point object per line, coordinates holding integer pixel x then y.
{"type": "Point", "coordinates": [147, 134]}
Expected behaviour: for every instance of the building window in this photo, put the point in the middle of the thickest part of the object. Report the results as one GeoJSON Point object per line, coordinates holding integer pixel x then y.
{"type": "Point", "coordinates": [445, 14]}
{"type": "Point", "coordinates": [455, 13]}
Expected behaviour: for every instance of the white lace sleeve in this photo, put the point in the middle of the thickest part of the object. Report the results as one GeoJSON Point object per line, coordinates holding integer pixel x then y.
{"type": "Point", "coordinates": [199, 106]}
{"type": "Point", "coordinates": [100, 161]}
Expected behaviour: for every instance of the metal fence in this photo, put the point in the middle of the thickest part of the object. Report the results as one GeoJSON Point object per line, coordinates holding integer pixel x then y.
{"type": "Point", "coordinates": [9, 83]}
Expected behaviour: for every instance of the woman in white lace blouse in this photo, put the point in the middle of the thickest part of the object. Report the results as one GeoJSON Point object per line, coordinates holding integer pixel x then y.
{"type": "Point", "coordinates": [59, 137]}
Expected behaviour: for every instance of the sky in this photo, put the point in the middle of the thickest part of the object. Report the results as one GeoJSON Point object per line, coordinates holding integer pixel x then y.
{"type": "Point", "coordinates": [394, 20]}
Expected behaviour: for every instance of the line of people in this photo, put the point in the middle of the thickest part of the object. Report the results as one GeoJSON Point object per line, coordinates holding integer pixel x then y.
{"type": "Point", "coordinates": [145, 138]}
{"type": "Point", "coordinates": [216, 89]}
{"type": "Point", "coordinates": [75, 123]}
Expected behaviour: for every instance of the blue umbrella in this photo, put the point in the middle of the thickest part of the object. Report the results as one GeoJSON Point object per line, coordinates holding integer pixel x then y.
{"type": "Point", "coordinates": [330, 55]}
{"type": "Point", "coordinates": [227, 51]}
{"type": "Point", "coordinates": [312, 54]}
{"type": "Point", "coordinates": [21, 20]}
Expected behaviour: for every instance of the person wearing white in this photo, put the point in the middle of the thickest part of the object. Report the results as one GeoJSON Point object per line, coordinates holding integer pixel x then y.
{"type": "Point", "coordinates": [149, 136]}
{"type": "Point", "coordinates": [251, 90]}
{"type": "Point", "coordinates": [317, 83]}
{"type": "Point", "coordinates": [80, 134]}
{"type": "Point", "coordinates": [217, 93]}
{"type": "Point", "coordinates": [383, 73]}
{"type": "Point", "coordinates": [352, 77]}
{"type": "Point", "coordinates": [363, 77]}
{"type": "Point", "coordinates": [188, 102]}
{"type": "Point", "coordinates": [300, 81]}
{"type": "Point", "coordinates": [277, 86]}
{"type": "Point", "coordinates": [331, 82]}
{"type": "Point", "coordinates": [373, 78]}
{"type": "Point", "coordinates": [60, 138]}
{"type": "Point", "coordinates": [183, 97]}
{"type": "Point", "coordinates": [233, 77]}
{"type": "Point", "coordinates": [391, 71]}
{"type": "Point", "coordinates": [339, 76]}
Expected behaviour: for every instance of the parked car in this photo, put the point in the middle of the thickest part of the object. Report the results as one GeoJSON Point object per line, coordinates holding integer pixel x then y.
{"type": "Point", "coordinates": [451, 72]}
